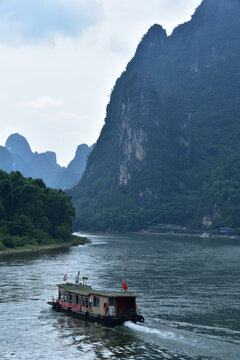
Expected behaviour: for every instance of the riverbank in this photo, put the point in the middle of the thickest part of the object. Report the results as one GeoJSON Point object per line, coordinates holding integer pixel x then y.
{"type": "Point", "coordinates": [76, 240]}
{"type": "Point", "coordinates": [202, 235]}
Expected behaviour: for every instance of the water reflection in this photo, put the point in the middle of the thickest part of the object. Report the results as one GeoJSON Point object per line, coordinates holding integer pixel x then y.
{"type": "Point", "coordinates": [19, 259]}
{"type": "Point", "coordinates": [97, 339]}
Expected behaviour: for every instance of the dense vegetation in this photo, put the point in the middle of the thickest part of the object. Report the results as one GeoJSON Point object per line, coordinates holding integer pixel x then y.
{"type": "Point", "coordinates": [171, 128]}
{"type": "Point", "coordinates": [221, 195]}
{"type": "Point", "coordinates": [32, 214]}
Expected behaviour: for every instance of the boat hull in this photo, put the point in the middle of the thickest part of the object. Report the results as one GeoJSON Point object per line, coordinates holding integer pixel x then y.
{"type": "Point", "coordinates": [100, 319]}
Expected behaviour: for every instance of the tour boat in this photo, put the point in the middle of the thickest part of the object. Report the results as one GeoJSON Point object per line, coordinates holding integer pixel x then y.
{"type": "Point", "coordinates": [109, 308]}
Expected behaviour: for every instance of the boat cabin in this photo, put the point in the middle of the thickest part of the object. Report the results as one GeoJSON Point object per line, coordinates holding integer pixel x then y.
{"type": "Point", "coordinates": [82, 298]}
{"type": "Point", "coordinates": [106, 307]}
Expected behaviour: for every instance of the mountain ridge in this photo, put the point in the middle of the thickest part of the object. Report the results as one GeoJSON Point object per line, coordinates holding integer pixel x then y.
{"type": "Point", "coordinates": [171, 121]}
{"type": "Point", "coordinates": [18, 156]}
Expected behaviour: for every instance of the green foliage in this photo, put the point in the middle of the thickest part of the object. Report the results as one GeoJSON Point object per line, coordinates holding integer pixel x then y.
{"type": "Point", "coordinates": [221, 194]}
{"type": "Point", "coordinates": [172, 120]}
{"type": "Point", "coordinates": [32, 214]}
{"type": "Point", "coordinates": [8, 242]}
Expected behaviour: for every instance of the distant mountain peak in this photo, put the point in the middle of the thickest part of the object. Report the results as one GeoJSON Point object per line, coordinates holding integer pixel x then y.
{"type": "Point", "coordinates": [152, 41]}
{"type": "Point", "coordinates": [78, 164]}
{"type": "Point", "coordinates": [18, 144]}
{"type": "Point", "coordinates": [155, 35]}
{"type": "Point", "coordinates": [158, 30]}
{"type": "Point", "coordinates": [17, 155]}
{"type": "Point", "coordinates": [82, 148]}
{"type": "Point", "coordinates": [50, 156]}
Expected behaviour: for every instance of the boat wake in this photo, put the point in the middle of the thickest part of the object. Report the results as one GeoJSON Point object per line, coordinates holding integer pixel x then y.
{"type": "Point", "coordinates": [204, 329]}
{"type": "Point", "coordinates": [197, 344]}
{"type": "Point", "coordinates": [160, 333]}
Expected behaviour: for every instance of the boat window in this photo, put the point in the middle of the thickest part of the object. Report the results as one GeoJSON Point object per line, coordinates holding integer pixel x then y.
{"type": "Point", "coordinates": [73, 299]}
{"type": "Point", "coordinates": [84, 301]}
{"type": "Point", "coordinates": [111, 301]}
{"type": "Point", "coordinates": [96, 301]}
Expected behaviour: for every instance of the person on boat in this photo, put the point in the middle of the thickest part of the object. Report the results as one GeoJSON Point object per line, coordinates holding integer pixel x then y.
{"type": "Point", "coordinates": [77, 278]}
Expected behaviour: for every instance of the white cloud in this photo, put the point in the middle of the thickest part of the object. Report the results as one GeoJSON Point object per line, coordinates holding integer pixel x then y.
{"type": "Point", "coordinates": [43, 102]}
{"type": "Point", "coordinates": [67, 116]}
{"type": "Point", "coordinates": [82, 70]}
{"type": "Point", "coordinates": [41, 20]}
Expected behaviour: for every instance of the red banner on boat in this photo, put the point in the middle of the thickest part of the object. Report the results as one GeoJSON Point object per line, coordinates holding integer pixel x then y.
{"type": "Point", "coordinates": [65, 277]}
{"type": "Point", "coordinates": [124, 285]}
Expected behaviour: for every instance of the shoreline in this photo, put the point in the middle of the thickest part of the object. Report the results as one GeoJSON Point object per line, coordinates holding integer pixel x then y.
{"type": "Point", "coordinates": [199, 235]}
{"type": "Point", "coordinates": [77, 240]}
{"type": "Point", "coordinates": [186, 234]}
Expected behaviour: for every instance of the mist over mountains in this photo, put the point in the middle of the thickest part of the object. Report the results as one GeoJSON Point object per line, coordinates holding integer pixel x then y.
{"type": "Point", "coordinates": [169, 149]}
{"type": "Point", "coordinates": [17, 155]}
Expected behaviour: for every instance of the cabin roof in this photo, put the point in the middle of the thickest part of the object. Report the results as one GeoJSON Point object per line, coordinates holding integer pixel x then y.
{"type": "Point", "coordinates": [87, 290]}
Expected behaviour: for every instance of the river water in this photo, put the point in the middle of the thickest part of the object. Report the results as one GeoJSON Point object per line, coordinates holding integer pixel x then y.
{"type": "Point", "coordinates": [190, 291]}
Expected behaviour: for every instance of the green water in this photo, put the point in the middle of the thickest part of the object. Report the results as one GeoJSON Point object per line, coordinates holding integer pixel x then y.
{"type": "Point", "coordinates": [190, 300]}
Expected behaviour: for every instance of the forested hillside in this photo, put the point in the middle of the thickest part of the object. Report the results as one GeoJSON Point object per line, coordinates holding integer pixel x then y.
{"type": "Point", "coordinates": [172, 126]}
{"type": "Point", "coordinates": [32, 214]}
{"type": "Point", "coordinates": [221, 195]}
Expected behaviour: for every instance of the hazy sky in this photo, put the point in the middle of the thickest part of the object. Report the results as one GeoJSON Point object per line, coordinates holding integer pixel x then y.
{"type": "Point", "coordinates": [59, 60]}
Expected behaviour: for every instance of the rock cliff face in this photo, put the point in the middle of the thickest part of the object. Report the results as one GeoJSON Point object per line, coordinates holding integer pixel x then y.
{"type": "Point", "coordinates": [172, 119]}
{"type": "Point", "coordinates": [17, 155]}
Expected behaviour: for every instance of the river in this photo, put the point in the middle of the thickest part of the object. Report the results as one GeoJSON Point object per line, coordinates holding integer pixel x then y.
{"type": "Point", "coordinates": [190, 291]}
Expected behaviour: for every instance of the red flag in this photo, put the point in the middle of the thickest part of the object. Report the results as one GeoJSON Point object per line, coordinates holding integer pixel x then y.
{"type": "Point", "coordinates": [65, 277]}
{"type": "Point", "coordinates": [124, 285]}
